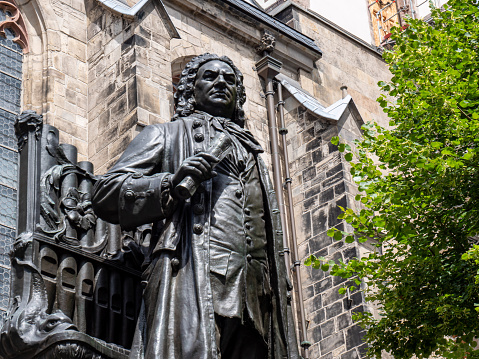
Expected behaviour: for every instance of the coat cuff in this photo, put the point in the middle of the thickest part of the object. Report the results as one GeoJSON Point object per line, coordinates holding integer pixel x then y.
{"type": "Point", "coordinates": [145, 199]}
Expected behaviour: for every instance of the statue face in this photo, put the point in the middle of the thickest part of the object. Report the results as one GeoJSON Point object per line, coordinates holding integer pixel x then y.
{"type": "Point", "coordinates": [215, 89]}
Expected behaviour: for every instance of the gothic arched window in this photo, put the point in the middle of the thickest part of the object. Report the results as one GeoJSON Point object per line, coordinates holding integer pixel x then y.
{"type": "Point", "coordinates": [13, 44]}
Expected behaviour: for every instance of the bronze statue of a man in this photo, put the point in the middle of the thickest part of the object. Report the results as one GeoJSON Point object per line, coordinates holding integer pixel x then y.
{"type": "Point", "coordinates": [216, 285]}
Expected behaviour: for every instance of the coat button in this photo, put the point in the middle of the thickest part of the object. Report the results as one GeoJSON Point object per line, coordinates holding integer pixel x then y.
{"type": "Point", "coordinates": [198, 150]}
{"type": "Point", "coordinates": [248, 257]}
{"type": "Point", "coordinates": [199, 137]}
{"type": "Point", "coordinates": [247, 211]}
{"type": "Point", "coordinates": [129, 194]}
{"type": "Point", "coordinates": [247, 226]}
{"type": "Point", "coordinates": [198, 228]}
{"type": "Point", "coordinates": [175, 263]}
{"type": "Point", "coordinates": [198, 209]}
{"type": "Point", "coordinates": [249, 240]}
{"type": "Point", "coordinates": [238, 193]}
{"type": "Point", "coordinates": [197, 123]}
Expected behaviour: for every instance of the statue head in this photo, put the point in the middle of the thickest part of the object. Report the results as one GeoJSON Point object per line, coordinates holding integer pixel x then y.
{"type": "Point", "coordinates": [212, 84]}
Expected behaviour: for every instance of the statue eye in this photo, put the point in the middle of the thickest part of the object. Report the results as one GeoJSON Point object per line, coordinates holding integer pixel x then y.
{"type": "Point", "coordinates": [230, 79]}
{"type": "Point", "coordinates": [51, 324]}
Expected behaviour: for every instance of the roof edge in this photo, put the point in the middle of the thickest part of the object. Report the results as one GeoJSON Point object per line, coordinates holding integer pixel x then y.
{"type": "Point", "coordinates": [279, 26]}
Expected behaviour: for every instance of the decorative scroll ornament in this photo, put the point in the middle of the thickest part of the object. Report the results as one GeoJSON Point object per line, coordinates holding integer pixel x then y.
{"type": "Point", "coordinates": [75, 208]}
{"type": "Point", "coordinates": [268, 43]}
{"type": "Point", "coordinates": [25, 121]}
{"type": "Point", "coordinates": [15, 23]}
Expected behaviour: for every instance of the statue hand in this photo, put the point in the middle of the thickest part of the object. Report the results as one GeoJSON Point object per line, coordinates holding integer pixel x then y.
{"type": "Point", "coordinates": [199, 166]}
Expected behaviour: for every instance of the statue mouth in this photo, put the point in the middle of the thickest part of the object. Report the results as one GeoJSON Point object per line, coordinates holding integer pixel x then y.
{"type": "Point", "coordinates": [221, 94]}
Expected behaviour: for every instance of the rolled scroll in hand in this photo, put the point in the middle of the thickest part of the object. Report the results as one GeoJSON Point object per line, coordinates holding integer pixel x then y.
{"type": "Point", "coordinates": [220, 147]}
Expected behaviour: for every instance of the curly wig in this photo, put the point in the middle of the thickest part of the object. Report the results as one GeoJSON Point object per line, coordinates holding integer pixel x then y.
{"type": "Point", "coordinates": [184, 96]}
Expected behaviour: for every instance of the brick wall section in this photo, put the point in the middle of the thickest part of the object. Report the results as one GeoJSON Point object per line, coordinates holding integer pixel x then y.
{"type": "Point", "coordinates": [321, 183]}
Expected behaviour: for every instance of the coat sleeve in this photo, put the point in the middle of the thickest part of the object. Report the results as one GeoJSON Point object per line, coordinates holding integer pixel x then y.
{"type": "Point", "coordinates": [134, 191]}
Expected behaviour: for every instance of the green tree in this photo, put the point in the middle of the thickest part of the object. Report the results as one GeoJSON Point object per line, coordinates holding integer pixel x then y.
{"type": "Point", "coordinates": [421, 193]}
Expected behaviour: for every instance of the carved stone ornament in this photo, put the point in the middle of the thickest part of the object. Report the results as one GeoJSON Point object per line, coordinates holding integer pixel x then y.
{"type": "Point", "coordinates": [75, 208]}
{"type": "Point", "coordinates": [268, 43]}
{"type": "Point", "coordinates": [25, 121]}
{"type": "Point", "coordinates": [15, 23]}
{"type": "Point", "coordinates": [28, 324]}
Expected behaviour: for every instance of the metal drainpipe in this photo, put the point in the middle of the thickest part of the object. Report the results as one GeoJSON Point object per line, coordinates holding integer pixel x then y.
{"type": "Point", "coordinates": [278, 185]}
{"type": "Point", "coordinates": [305, 343]}
{"type": "Point", "coordinates": [268, 67]}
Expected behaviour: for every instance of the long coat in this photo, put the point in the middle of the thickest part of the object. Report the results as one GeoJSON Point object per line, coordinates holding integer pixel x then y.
{"type": "Point", "coordinates": [177, 318]}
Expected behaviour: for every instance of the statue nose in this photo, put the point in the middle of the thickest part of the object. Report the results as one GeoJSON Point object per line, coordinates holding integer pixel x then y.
{"type": "Point", "coordinates": [220, 81]}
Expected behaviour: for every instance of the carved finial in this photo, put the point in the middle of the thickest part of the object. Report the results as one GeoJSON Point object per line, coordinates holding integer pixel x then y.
{"type": "Point", "coordinates": [344, 91]}
{"type": "Point", "coordinates": [268, 42]}
{"type": "Point", "coordinates": [27, 121]}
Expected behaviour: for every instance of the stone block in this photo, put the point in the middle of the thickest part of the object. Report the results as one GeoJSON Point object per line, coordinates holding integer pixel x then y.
{"type": "Point", "coordinates": [323, 285]}
{"type": "Point", "coordinates": [308, 292]}
{"type": "Point", "coordinates": [314, 351]}
{"type": "Point", "coordinates": [333, 180]}
{"type": "Point", "coordinates": [316, 318]}
{"type": "Point", "coordinates": [306, 224]}
{"type": "Point", "coordinates": [337, 256]}
{"type": "Point", "coordinates": [344, 320]}
{"type": "Point", "coordinates": [314, 144]}
{"type": "Point", "coordinates": [319, 242]}
{"type": "Point", "coordinates": [119, 109]}
{"type": "Point", "coordinates": [354, 300]}
{"type": "Point", "coordinates": [104, 121]}
{"type": "Point", "coordinates": [326, 196]}
{"type": "Point", "coordinates": [352, 354]}
{"type": "Point", "coordinates": [310, 203]}
{"type": "Point", "coordinates": [303, 250]}
{"type": "Point", "coordinates": [148, 96]}
{"type": "Point", "coordinates": [308, 134]}
{"type": "Point", "coordinates": [313, 191]}
{"type": "Point", "coordinates": [334, 341]}
{"type": "Point", "coordinates": [334, 310]}
{"type": "Point", "coordinates": [354, 336]}
{"type": "Point", "coordinates": [319, 219]}
{"type": "Point", "coordinates": [77, 28]}
{"type": "Point", "coordinates": [332, 148]}
{"type": "Point", "coordinates": [128, 123]}
{"type": "Point", "coordinates": [332, 295]}
{"type": "Point", "coordinates": [77, 49]}
{"type": "Point", "coordinates": [315, 334]}
{"type": "Point", "coordinates": [120, 145]}
{"type": "Point", "coordinates": [350, 252]}
{"type": "Point", "coordinates": [338, 280]}
{"type": "Point", "coordinates": [309, 174]}
{"type": "Point", "coordinates": [339, 189]}
{"type": "Point", "coordinates": [317, 155]}
{"type": "Point", "coordinates": [335, 211]}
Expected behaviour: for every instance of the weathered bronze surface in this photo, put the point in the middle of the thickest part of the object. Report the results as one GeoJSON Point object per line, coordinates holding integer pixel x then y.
{"type": "Point", "coordinates": [75, 284]}
{"type": "Point", "coordinates": [215, 281]}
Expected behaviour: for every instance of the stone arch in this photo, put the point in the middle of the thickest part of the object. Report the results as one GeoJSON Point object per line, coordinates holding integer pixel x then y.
{"type": "Point", "coordinates": [39, 23]}
{"type": "Point", "coordinates": [181, 48]}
